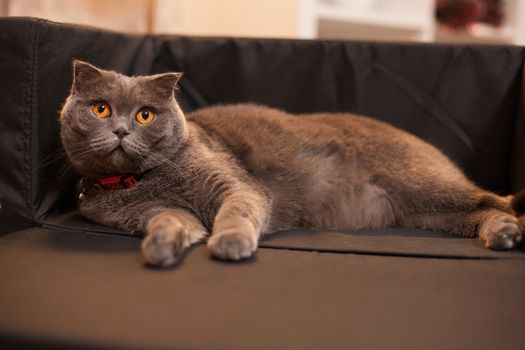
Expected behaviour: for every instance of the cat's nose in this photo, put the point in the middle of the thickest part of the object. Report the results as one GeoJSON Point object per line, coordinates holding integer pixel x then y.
{"type": "Point", "coordinates": [121, 132]}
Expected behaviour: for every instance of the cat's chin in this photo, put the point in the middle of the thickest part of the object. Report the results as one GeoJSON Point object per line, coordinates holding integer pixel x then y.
{"type": "Point", "coordinates": [120, 161]}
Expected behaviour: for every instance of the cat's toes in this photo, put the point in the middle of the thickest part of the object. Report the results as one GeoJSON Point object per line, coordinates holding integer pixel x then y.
{"type": "Point", "coordinates": [502, 233]}
{"type": "Point", "coordinates": [232, 245]}
{"type": "Point", "coordinates": [164, 243]}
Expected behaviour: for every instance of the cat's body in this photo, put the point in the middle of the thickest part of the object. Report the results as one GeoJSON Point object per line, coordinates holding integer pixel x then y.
{"type": "Point", "coordinates": [239, 171]}
{"type": "Point", "coordinates": [334, 171]}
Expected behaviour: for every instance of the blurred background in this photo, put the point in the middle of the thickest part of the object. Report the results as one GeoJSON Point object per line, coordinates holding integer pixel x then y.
{"type": "Point", "coordinates": [478, 21]}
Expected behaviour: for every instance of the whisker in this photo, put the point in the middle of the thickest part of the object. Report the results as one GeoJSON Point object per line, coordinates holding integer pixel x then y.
{"type": "Point", "coordinates": [53, 157]}
{"type": "Point", "coordinates": [63, 171]}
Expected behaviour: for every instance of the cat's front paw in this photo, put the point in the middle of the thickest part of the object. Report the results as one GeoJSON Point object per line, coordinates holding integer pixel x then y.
{"type": "Point", "coordinates": [164, 241]}
{"type": "Point", "coordinates": [501, 232]}
{"type": "Point", "coordinates": [232, 245]}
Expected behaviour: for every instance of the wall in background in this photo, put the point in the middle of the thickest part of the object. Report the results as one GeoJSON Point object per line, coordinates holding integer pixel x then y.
{"type": "Point", "coordinates": [261, 18]}
{"type": "Point", "coordinates": [265, 18]}
{"type": "Point", "coordinates": [268, 18]}
{"type": "Point", "coordinates": [401, 20]}
{"type": "Point", "coordinates": [129, 15]}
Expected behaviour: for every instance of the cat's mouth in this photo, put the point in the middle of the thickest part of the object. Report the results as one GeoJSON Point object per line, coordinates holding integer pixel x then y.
{"type": "Point", "coordinates": [115, 151]}
{"type": "Point", "coordinates": [119, 157]}
{"type": "Point", "coordinates": [119, 150]}
{"type": "Point", "coordinates": [117, 154]}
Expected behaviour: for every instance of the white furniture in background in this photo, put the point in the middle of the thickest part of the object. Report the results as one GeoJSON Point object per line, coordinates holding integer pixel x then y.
{"type": "Point", "coordinates": [399, 20]}
{"type": "Point", "coordinates": [369, 20]}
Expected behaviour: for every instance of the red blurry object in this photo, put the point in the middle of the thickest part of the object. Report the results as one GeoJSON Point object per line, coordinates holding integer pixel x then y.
{"type": "Point", "coordinates": [462, 14]}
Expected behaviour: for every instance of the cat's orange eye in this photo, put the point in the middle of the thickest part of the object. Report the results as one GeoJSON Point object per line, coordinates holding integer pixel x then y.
{"type": "Point", "coordinates": [145, 116]}
{"type": "Point", "coordinates": [101, 110]}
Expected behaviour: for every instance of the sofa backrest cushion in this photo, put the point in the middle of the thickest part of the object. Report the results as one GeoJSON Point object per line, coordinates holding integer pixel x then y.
{"type": "Point", "coordinates": [466, 100]}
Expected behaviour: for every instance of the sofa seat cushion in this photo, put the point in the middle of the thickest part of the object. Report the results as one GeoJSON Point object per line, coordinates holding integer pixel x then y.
{"type": "Point", "coordinates": [387, 241]}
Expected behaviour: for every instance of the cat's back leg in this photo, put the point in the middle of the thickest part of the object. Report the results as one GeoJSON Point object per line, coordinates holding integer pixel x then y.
{"type": "Point", "coordinates": [496, 228]}
{"type": "Point", "coordinates": [424, 189]}
{"type": "Point", "coordinates": [465, 210]}
{"type": "Point", "coordinates": [428, 191]}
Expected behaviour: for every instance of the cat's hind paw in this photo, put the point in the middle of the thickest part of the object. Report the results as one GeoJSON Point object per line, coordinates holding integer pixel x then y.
{"type": "Point", "coordinates": [232, 245]}
{"type": "Point", "coordinates": [501, 232]}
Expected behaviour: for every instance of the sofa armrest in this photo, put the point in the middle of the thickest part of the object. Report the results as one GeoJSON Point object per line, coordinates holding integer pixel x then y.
{"type": "Point", "coordinates": [35, 71]}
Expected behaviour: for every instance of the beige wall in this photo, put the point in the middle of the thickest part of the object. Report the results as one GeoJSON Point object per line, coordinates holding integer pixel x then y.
{"type": "Point", "coordinates": [260, 18]}
{"type": "Point", "coordinates": [3, 7]}
{"type": "Point", "coordinates": [128, 15]}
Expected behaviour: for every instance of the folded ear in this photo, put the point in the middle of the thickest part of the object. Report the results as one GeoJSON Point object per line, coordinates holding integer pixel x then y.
{"type": "Point", "coordinates": [84, 74]}
{"type": "Point", "coordinates": [164, 84]}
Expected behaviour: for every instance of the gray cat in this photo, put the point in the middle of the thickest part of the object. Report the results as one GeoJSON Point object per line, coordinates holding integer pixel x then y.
{"type": "Point", "coordinates": [240, 171]}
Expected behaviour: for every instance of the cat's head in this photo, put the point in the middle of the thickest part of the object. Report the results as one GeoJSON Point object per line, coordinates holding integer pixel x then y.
{"type": "Point", "coordinates": [114, 124]}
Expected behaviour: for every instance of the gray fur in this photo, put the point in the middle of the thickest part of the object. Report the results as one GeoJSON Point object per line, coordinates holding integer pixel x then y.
{"type": "Point", "coordinates": [242, 170]}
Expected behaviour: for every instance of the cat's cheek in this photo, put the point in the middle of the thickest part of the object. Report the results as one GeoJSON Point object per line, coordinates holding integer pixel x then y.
{"type": "Point", "coordinates": [169, 129]}
{"type": "Point", "coordinates": [158, 129]}
{"type": "Point", "coordinates": [80, 119]}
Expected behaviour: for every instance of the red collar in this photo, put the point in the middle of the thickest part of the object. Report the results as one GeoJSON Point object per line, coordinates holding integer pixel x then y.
{"type": "Point", "coordinates": [119, 182]}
